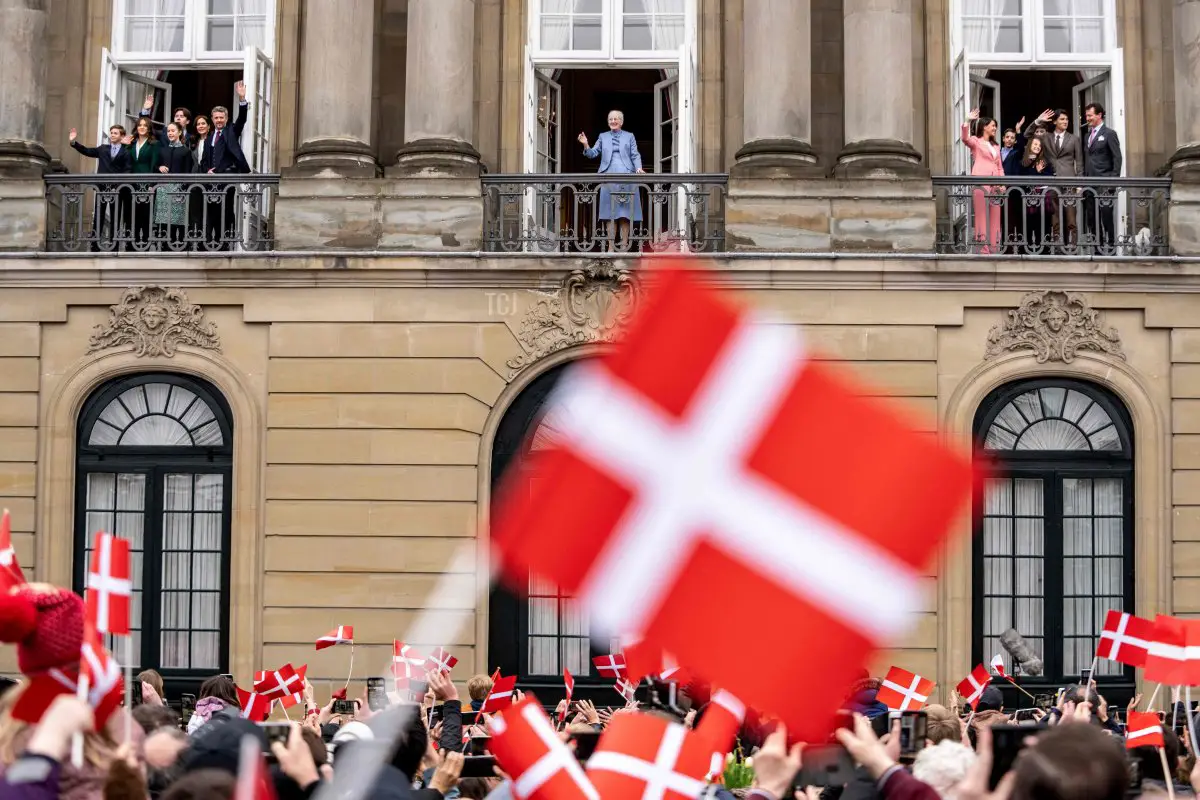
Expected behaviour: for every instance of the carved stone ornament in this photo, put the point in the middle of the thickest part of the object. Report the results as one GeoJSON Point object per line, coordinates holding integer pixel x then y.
{"type": "Point", "coordinates": [1055, 326]}
{"type": "Point", "coordinates": [590, 306]}
{"type": "Point", "coordinates": [155, 320]}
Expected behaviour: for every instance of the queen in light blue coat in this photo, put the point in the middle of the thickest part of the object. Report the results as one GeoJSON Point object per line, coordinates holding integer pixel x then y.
{"type": "Point", "coordinates": [618, 154]}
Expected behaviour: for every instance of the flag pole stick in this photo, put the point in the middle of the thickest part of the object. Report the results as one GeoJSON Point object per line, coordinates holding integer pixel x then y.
{"type": "Point", "coordinates": [129, 687]}
{"type": "Point", "coordinates": [287, 715]}
{"type": "Point", "coordinates": [1153, 697]}
{"type": "Point", "coordinates": [1169, 778]}
{"type": "Point", "coordinates": [81, 692]}
{"type": "Point", "coordinates": [1174, 706]}
{"type": "Point", "coordinates": [1020, 688]}
{"type": "Point", "coordinates": [348, 677]}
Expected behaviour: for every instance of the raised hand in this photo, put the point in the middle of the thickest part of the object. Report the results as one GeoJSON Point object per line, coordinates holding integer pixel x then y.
{"type": "Point", "coordinates": [149, 104]}
{"type": "Point", "coordinates": [1046, 115]}
{"type": "Point", "coordinates": [974, 114]}
{"type": "Point", "coordinates": [582, 139]}
{"type": "Point", "coordinates": [1020, 124]}
{"type": "Point", "coordinates": [240, 88]}
{"type": "Point", "coordinates": [73, 133]}
{"type": "Point", "coordinates": [162, 169]}
{"type": "Point", "coordinates": [127, 139]}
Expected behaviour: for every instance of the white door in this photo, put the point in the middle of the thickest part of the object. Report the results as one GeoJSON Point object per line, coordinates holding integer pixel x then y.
{"type": "Point", "coordinates": [985, 94]}
{"type": "Point", "coordinates": [687, 151]}
{"type": "Point", "coordinates": [541, 203]}
{"type": "Point", "coordinates": [257, 140]}
{"type": "Point", "coordinates": [1102, 88]}
{"type": "Point", "coordinates": [133, 88]}
{"type": "Point", "coordinates": [666, 124]}
{"type": "Point", "coordinates": [110, 85]}
{"type": "Point", "coordinates": [960, 160]}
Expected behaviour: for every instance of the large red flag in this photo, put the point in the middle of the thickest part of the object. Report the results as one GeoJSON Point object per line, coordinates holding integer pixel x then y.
{"type": "Point", "coordinates": [255, 706]}
{"type": "Point", "coordinates": [1125, 639]}
{"type": "Point", "coordinates": [109, 587]}
{"type": "Point", "coordinates": [500, 696]}
{"type": "Point", "coordinates": [1143, 729]}
{"type": "Point", "coordinates": [280, 683]}
{"type": "Point", "coordinates": [644, 756]}
{"type": "Point", "coordinates": [677, 473]}
{"type": "Point", "coordinates": [971, 687]}
{"type": "Point", "coordinates": [1174, 654]}
{"type": "Point", "coordinates": [528, 748]}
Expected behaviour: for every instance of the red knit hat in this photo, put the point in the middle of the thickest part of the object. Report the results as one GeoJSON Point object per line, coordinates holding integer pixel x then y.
{"type": "Point", "coordinates": [46, 624]}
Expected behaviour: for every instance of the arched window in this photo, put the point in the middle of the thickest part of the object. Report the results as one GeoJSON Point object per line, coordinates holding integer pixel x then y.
{"type": "Point", "coordinates": [154, 463]}
{"type": "Point", "coordinates": [1054, 550]}
{"type": "Point", "coordinates": [545, 631]}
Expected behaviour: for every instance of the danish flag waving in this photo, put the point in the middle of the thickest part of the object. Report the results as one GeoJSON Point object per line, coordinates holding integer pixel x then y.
{"type": "Point", "coordinates": [108, 586]}
{"type": "Point", "coordinates": [10, 570]}
{"type": "Point", "coordinates": [40, 693]}
{"type": "Point", "coordinates": [440, 660]}
{"type": "Point", "coordinates": [569, 682]}
{"type": "Point", "coordinates": [1143, 729]}
{"type": "Point", "coordinates": [342, 634]}
{"type": "Point", "coordinates": [902, 690]}
{"type": "Point", "coordinates": [500, 696]}
{"type": "Point", "coordinates": [723, 718]}
{"type": "Point", "coordinates": [644, 756]}
{"type": "Point", "coordinates": [611, 666]}
{"type": "Point", "coordinates": [971, 687]}
{"type": "Point", "coordinates": [678, 474]}
{"type": "Point", "coordinates": [255, 706]}
{"type": "Point", "coordinates": [106, 689]}
{"type": "Point", "coordinates": [641, 659]}
{"type": "Point", "coordinates": [1125, 639]}
{"type": "Point", "coordinates": [406, 661]}
{"type": "Point", "coordinates": [297, 692]}
{"type": "Point", "coordinates": [528, 748]}
{"type": "Point", "coordinates": [279, 683]}
{"type": "Point", "coordinates": [1173, 657]}
{"type": "Point", "coordinates": [997, 664]}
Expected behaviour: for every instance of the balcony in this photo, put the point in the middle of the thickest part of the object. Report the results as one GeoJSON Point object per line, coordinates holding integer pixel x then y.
{"type": "Point", "coordinates": [1055, 217]}
{"type": "Point", "coordinates": [568, 213]}
{"type": "Point", "coordinates": [160, 214]}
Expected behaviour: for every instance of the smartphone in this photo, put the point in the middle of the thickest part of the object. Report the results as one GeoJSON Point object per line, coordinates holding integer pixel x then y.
{"type": "Point", "coordinates": [436, 715]}
{"type": "Point", "coordinates": [276, 732]}
{"type": "Point", "coordinates": [1044, 701]}
{"type": "Point", "coordinates": [1085, 677]}
{"type": "Point", "coordinates": [187, 705]}
{"type": "Point", "coordinates": [913, 725]}
{"type": "Point", "coordinates": [345, 707]}
{"type": "Point", "coordinates": [135, 694]}
{"type": "Point", "coordinates": [585, 745]}
{"type": "Point", "coordinates": [479, 767]}
{"type": "Point", "coordinates": [1024, 714]}
{"type": "Point", "coordinates": [477, 745]}
{"type": "Point", "coordinates": [469, 718]}
{"type": "Point", "coordinates": [377, 699]}
{"type": "Point", "coordinates": [1135, 775]}
{"type": "Point", "coordinates": [825, 765]}
{"type": "Point", "coordinates": [226, 675]}
{"type": "Point", "coordinates": [1007, 741]}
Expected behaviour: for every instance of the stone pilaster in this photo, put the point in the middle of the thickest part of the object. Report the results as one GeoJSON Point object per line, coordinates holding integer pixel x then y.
{"type": "Point", "coordinates": [777, 93]}
{"type": "Point", "coordinates": [879, 91]}
{"type": "Point", "coordinates": [23, 87]}
{"type": "Point", "coordinates": [439, 101]}
{"type": "Point", "coordinates": [336, 99]}
{"type": "Point", "coordinates": [1184, 219]}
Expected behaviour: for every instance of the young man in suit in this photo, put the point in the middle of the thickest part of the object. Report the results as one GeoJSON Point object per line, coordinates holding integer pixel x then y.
{"type": "Point", "coordinates": [1102, 159]}
{"type": "Point", "coordinates": [112, 159]}
{"type": "Point", "coordinates": [1065, 153]}
{"type": "Point", "coordinates": [226, 157]}
{"type": "Point", "coordinates": [182, 118]}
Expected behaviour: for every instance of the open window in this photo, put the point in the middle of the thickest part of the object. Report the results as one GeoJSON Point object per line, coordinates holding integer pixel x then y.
{"type": "Point", "coordinates": [195, 31]}
{"type": "Point", "coordinates": [1036, 30]}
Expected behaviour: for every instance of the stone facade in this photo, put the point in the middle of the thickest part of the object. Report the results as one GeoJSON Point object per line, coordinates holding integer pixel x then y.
{"type": "Point", "coordinates": [369, 361]}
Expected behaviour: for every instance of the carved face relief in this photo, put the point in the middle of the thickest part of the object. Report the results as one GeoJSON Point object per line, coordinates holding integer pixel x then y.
{"type": "Point", "coordinates": [155, 320]}
{"type": "Point", "coordinates": [1055, 326]}
{"type": "Point", "coordinates": [1055, 318]}
{"type": "Point", "coordinates": [153, 316]}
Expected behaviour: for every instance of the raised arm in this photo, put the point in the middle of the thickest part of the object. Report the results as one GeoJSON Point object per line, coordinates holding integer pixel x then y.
{"type": "Point", "coordinates": [243, 110]}
{"type": "Point", "coordinates": [90, 152]}
{"type": "Point", "coordinates": [588, 150]}
{"type": "Point", "coordinates": [967, 139]}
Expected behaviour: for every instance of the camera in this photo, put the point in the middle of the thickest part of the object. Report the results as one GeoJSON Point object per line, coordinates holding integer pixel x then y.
{"type": "Point", "coordinates": [345, 707]}
{"type": "Point", "coordinates": [913, 725]}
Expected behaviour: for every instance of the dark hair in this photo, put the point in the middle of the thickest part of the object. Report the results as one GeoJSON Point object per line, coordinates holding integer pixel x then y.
{"type": "Point", "coordinates": [176, 126]}
{"type": "Point", "coordinates": [151, 718]}
{"type": "Point", "coordinates": [186, 113]}
{"type": "Point", "coordinates": [149, 126]}
{"type": "Point", "coordinates": [121, 128]}
{"type": "Point", "coordinates": [316, 746]}
{"type": "Point", "coordinates": [1029, 158]}
{"type": "Point", "coordinates": [1007, 131]}
{"type": "Point", "coordinates": [1096, 108]}
{"type": "Point", "coordinates": [203, 784]}
{"type": "Point", "coordinates": [1061, 112]}
{"type": "Point", "coordinates": [412, 741]}
{"type": "Point", "coordinates": [983, 123]}
{"type": "Point", "coordinates": [473, 788]}
{"type": "Point", "coordinates": [220, 687]}
{"type": "Point", "coordinates": [1075, 694]}
{"type": "Point", "coordinates": [992, 699]}
{"type": "Point", "coordinates": [1072, 762]}
{"type": "Point", "coordinates": [1150, 762]}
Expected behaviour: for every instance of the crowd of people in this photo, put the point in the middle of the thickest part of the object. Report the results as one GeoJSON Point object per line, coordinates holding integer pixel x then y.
{"type": "Point", "coordinates": [1045, 148]}
{"type": "Point", "coordinates": [170, 214]}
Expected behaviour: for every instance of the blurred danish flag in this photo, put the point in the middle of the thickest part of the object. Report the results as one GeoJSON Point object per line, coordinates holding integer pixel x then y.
{"type": "Point", "coordinates": [707, 466]}
{"type": "Point", "coordinates": [1144, 729]}
{"type": "Point", "coordinates": [10, 569]}
{"type": "Point", "coordinates": [542, 768]}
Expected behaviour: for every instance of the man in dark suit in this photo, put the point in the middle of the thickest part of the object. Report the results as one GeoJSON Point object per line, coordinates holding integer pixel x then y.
{"type": "Point", "coordinates": [1065, 154]}
{"type": "Point", "coordinates": [1102, 159]}
{"type": "Point", "coordinates": [1012, 145]}
{"type": "Point", "coordinates": [225, 156]}
{"type": "Point", "coordinates": [112, 159]}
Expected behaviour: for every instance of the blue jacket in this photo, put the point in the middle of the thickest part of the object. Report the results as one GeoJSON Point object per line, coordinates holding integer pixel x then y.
{"type": "Point", "coordinates": [617, 151]}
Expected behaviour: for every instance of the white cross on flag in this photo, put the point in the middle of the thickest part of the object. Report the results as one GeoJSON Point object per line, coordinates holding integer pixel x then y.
{"type": "Point", "coordinates": [723, 718]}
{"type": "Point", "coordinates": [902, 690]}
{"type": "Point", "coordinates": [440, 661]}
{"type": "Point", "coordinates": [1125, 639]}
{"type": "Point", "coordinates": [280, 683]}
{"type": "Point", "coordinates": [528, 748]}
{"type": "Point", "coordinates": [610, 666]}
{"type": "Point", "coordinates": [297, 692]}
{"type": "Point", "coordinates": [106, 689]}
{"type": "Point", "coordinates": [1174, 654]}
{"type": "Point", "coordinates": [971, 687]}
{"type": "Point", "coordinates": [10, 570]}
{"type": "Point", "coordinates": [109, 587]}
{"type": "Point", "coordinates": [1143, 729]}
{"type": "Point", "coordinates": [406, 662]}
{"type": "Point", "coordinates": [649, 757]}
{"type": "Point", "coordinates": [255, 706]}
{"type": "Point", "coordinates": [997, 665]}
{"type": "Point", "coordinates": [708, 464]}
{"type": "Point", "coordinates": [500, 696]}
{"type": "Point", "coordinates": [342, 634]}
{"type": "Point", "coordinates": [569, 682]}
{"type": "Point", "coordinates": [626, 689]}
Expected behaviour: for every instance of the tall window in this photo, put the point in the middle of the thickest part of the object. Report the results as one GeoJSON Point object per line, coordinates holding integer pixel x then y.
{"type": "Point", "coordinates": [154, 463]}
{"type": "Point", "coordinates": [609, 29]}
{"type": "Point", "coordinates": [191, 30]}
{"type": "Point", "coordinates": [1020, 30]}
{"type": "Point", "coordinates": [1055, 549]}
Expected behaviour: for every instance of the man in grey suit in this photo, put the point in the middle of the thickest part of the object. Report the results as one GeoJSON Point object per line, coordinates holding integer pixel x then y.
{"type": "Point", "coordinates": [1102, 159]}
{"type": "Point", "coordinates": [1065, 153]}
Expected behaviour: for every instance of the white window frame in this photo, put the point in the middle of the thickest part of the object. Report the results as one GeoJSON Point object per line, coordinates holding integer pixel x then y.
{"type": "Point", "coordinates": [1033, 38]}
{"type": "Point", "coordinates": [195, 31]}
{"type": "Point", "coordinates": [611, 50]}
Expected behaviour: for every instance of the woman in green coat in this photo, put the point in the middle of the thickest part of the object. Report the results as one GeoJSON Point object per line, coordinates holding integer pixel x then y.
{"type": "Point", "coordinates": [143, 152]}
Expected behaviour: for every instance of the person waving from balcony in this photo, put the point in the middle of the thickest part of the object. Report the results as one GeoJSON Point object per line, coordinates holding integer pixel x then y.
{"type": "Point", "coordinates": [620, 203]}
{"type": "Point", "coordinates": [986, 200]}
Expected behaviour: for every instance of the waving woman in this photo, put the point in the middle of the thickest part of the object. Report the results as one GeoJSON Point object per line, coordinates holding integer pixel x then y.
{"type": "Point", "coordinates": [618, 153]}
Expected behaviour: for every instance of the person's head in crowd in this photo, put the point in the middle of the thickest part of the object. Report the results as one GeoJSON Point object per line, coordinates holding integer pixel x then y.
{"type": "Point", "coordinates": [475, 788]}
{"type": "Point", "coordinates": [124, 781]}
{"type": "Point", "coordinates": [181, 117]}
{"type": "Point", "coordinates": [1071, 762]}
{"type": "Point", "coordinates": [943, 766]}
{"type": "Point", "coordinates": [478, 688]}
{"type": "Point", "coordinates": [1010, 137]}
{"type": "Point", "coordinates": [1033, 151]}
{"type": "Point", "coordinates": [216, 694]}
{"type": "Point", "coordinates": [316, 745]}
{"type": "Point", "coordinates": [1062, 121]}
{"type": "Point", "coordinates": [115, 134]}
{"type": "Point", "coordinates": [151, 718]}
{"type": "Point", "coordinates": [220, 115]}
{"type": "Point", "coordinates": [217, 745]}
{"type": "Point", "coordinates": [992, 699]}
{"type": "Point", "coordinates": [1094, 113]}
{"type": "Point", "coordinates": [205, 784]}
{"type": "Point", "coordinates": [1149, 761]}
{"type": "Point", "coordinates": [412, 741]}
{"type": "Point", "coordinates": [861, 698]}
{"type": "Point", "coordinates": [142, 128]}
{"type": "Point", "coordinates": [163, 747]}
{"type": "Point", "coordinates": [941, 725]}
{"type": "Point", "coordinates": [174, 132]}
{"type": "Point", "coordinates": [155, 680]}
{"type": "Point", "coordinates": [203, 125]}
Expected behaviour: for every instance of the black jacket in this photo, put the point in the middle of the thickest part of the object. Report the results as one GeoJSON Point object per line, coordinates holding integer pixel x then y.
{"type": "Point", "coordinates": [1102, 157]}
{"type": "Point", "coordinates": [108, 165]}
{"type": "Point", "coordinates": [145, 162]}
{"type": "Point", "coordinates": [202, 152]}
{"type": "Point", "coordinates": [1031, 170]}
{"type": "Point", "coordinates": [162, 132]}
{"type": "Point", "coordinates": [227, 152]}
{"type": "Point", "coordinates": [1012, 164]}
{"type": "Point", "coordinates": [176, 159]}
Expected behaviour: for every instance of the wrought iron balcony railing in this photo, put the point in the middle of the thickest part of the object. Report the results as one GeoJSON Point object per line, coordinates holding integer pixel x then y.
{"type": "Point", "coordinates": [589, 213]}
{"type": "Point", "coordinates": [159, 213]}
{"type": "Point", "coordinates": [1033, 216]}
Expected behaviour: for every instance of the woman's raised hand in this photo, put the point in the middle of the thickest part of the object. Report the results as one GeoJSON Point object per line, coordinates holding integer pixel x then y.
{"type": "Point", "coordinates": [582, 139]}
{"type": "Point", "coordinates": [974, 114]}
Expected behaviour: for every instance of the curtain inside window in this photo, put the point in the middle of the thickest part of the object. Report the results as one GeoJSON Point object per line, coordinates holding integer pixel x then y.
{"type": "Point", "coordinates": [116, 504]}
{"type": "Point", "coordinates": [559, 636]}
{"type": "Point", "coordinates": [1093, 567]}
{"type": "Point", "coordinates": [1013, 562]}
{"type": "Point", "coordinates": [191, 571]}
{"type": "Point", "coordinates": [155, 26]}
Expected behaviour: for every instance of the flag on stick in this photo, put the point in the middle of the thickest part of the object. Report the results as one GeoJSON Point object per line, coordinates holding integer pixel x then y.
{"type": "Point", "coordinates": [109, 587]}
{"type": "Point", "coordinates": [972, 686]}
{"type": "Point", "coordinates": [1125, 639]}
{"type": "Point", "coordinates": [10, 569]}
{"type": "Point", "coordinates": [342, 634]}
{"type": "Point", "coordinates": [902, 690]}
{"type": "Point", "coordinates": [500, 696]}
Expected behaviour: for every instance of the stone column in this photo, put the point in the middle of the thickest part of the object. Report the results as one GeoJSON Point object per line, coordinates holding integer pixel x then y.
{"type": "Point", "coordinates": [777, 94]}
{"type": "Point", "coordinates": [1187, 84]}
{"type": "Point", "coordinates": [23, 57]}
{"type": "Point", "coordinates": [336, 95]}
{"type": "Point", "coordinates": [879, 90]}
{"type": "Point", "coordinates": [439, 100]}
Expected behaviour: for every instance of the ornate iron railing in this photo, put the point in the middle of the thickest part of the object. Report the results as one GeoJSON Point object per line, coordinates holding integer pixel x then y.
{"type": "Point", "coordinates": [588, 213]}
{"type": "Point", "coordinates": [159, 213]}
{"type": "Point", "coordinates": [1032, 216]}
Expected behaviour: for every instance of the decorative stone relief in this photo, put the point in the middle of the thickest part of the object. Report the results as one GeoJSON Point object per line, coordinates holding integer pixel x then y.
{"type": "Point", "coordinates": [589, 306]}
{"type": "Point", "coordinates": [1055, 326]}
{"type": "Point", "coordinates": [155, 320]}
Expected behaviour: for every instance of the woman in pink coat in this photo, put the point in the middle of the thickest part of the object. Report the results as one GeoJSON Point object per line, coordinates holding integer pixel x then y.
{"type": "Point", "coordinates": [985, 160]}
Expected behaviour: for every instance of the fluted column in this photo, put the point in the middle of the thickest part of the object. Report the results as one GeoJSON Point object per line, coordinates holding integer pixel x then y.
{"type": "Point", "coordinates": [1187, 85]}
{"type": "Point", "coordinates": [439, 98]}
{"type": "Point", "coordinates": [23, 87]}
{"type": "Point", "coordinates": [878, 69]}
{"type": "Point", "coordinates": [777, 93]}
{"type": "Point", "coordinates": [336, 95]}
